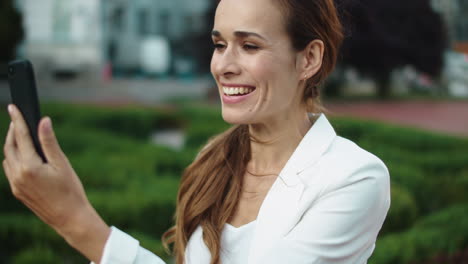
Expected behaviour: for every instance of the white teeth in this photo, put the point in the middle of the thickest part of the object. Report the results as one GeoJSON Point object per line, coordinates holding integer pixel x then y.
{"type": "Point", "coordinates": [237, 90]}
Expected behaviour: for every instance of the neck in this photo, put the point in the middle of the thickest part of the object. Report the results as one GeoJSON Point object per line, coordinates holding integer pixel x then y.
{"type": "Point", "coordinates": [275, 141]}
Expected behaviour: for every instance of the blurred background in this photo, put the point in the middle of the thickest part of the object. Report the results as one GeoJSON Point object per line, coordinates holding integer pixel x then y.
{"type": "Point", "coordinates": [121, 76]}
{"type": "Point", "coordinates": [142, 51]}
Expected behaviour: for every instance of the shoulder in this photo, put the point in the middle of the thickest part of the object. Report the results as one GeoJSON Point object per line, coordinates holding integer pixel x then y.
{"type": "Point", "coordinates": [345, 163]}
{"type": "Point", "coordinates": [347, 155]}
{"type": "Point", "coordinates": [349, 179]}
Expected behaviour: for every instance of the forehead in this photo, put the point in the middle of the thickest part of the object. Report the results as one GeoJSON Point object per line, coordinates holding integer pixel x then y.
{"type": "Point", "coordinates": [260, 16]}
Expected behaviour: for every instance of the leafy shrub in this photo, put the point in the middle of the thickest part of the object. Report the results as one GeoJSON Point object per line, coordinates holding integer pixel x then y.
{"type": "Point", "coordinates": [133, 183]}
{"type": "Point", "coordinates": [134, 122]}
{"type": "Point", "coordinates": [403, 211]}
{"type": "Point", "coordinates": [146, 203]}
{"type": "Point", "coordinates": [443, 231]}
{"type": "Point", "coordinates": [38, 254]}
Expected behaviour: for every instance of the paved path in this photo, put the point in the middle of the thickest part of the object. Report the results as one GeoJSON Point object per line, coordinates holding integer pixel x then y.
{"type": "Point", "coordinates": [117, 91]}
{"type": "Point", "coordinates": [441, 116]}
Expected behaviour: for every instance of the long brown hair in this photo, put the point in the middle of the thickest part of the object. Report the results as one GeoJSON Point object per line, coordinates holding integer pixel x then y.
{"type": "Point", "coordinates": [211, 186]}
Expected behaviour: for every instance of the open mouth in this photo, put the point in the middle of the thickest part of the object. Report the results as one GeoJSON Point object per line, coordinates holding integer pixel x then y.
{"type": "Point", "coordinates": [238, 91]}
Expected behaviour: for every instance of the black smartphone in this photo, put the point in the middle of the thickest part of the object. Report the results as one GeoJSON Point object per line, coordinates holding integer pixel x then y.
{"type": "Point", "coordinates": [23, 92]}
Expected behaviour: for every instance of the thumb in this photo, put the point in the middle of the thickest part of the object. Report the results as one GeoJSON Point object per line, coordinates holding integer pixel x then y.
{"type": "Point", "coordinates": [49, 144]}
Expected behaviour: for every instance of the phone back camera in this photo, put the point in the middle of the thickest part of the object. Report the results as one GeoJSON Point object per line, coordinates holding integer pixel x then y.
{"type": "Point", "coordinates": [11, 71]}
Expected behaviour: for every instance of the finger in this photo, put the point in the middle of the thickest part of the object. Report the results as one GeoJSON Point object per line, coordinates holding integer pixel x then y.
{"type": "Point", "coordinates": [10, 149]}
{"type": "Point", "coordinates": [7, 170]}
{"type": "Point", "coordinates": [49, 143]}
{"type": "Point", "coordinates": [22, 136]}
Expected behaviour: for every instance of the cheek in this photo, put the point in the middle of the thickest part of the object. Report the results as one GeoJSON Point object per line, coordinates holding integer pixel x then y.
{"type": "Point", "coordinates": [273, 70]}
{"type": "Point", "coordinates": [277, 75]}
{"type": "Point", "coordinates": [213, 64]}
{"type": "Point", "coordinates": [264, 68]}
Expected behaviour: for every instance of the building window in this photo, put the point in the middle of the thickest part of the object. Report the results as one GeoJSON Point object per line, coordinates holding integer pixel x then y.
{"type": "Point", "coordinates": [62, 19]}
{"type": "Point", "coordinates": [163, 23]}
{"type": "Point", "coordinates": [117, 19]}
{"type": "Point", "coordinates": [462, 23]}
{"type": "Point", "coordinates": [462, 30]}
{"type": "Point", "coordinates": [143, 22]}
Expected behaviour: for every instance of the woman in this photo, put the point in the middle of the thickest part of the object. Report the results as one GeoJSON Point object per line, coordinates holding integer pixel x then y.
{"type": "Point", "coordinates": [278, 187]}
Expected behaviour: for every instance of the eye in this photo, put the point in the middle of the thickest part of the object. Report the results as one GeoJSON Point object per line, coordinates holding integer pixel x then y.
{"type": "Point", "coordinates": [250, 47]}
{"type": "Point", "coordinates": [219, 46]}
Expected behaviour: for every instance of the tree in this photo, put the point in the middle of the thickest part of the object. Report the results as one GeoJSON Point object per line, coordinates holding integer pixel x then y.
{"type": "Point", "coordinates": [202, 41]}
{"type": "Point", "coordinates": [382, 35]}
{"type": "Point", "coordinates": [11, 30]}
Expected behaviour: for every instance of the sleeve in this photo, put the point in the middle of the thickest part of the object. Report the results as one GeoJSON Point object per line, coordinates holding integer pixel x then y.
{"type": "Point", "coordinates": [121, 248]}
{"type": "Point", "coordinates": [341, 227]}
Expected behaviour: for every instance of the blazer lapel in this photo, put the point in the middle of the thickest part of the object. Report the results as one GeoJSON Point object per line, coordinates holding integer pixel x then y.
{"type": "Point", "coordinates": [272, 224]}
{"type": "Point", "coordinates": [280, 211]}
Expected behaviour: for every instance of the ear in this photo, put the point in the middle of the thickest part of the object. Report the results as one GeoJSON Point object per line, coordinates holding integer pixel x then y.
{"type": "Point", "coordinates": [310, 59]}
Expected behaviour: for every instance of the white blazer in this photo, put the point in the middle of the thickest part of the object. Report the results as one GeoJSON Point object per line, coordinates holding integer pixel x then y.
{"type": "Point", "coordinates": [326, 207]}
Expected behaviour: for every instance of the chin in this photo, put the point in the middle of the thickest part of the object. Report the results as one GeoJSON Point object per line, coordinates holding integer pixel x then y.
{"type": "Point", "coordinates": [234, 117]}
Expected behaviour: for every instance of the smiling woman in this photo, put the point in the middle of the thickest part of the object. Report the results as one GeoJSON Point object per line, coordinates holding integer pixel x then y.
{"type": "Point", "coordinates": [279, 186]}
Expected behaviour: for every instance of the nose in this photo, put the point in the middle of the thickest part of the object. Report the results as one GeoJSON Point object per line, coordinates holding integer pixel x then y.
{"type": "Point", "coordinates": [226, 63]}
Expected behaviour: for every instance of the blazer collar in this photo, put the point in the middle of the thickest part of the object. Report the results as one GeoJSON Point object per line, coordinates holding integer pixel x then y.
{"type": "Point", "coordinates": [280, 210]}
{"type": "Point", "coordinates": [312, 146]}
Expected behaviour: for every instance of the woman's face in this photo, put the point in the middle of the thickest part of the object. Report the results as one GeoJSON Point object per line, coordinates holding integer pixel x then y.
{"type": "Point", "coordinates": [254, 64]}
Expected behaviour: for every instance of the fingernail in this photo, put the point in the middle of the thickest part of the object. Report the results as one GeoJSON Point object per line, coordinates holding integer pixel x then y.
{"type": "Point", "coordinates": [10, 109]}
{"type": "Point", "coordinates": [48, 123]}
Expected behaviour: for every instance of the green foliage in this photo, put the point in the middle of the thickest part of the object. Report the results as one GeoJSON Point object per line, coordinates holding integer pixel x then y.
{"type": "Point", "coordinates": [204, 123]}
{"type": "Point", "coordinates": [133, 183]}
{"type": "Point", "coordinates": [35, 255]}
{"type": "Point", "coordinates": [130, 122]}
{"type": "Point", "coordinates": [445, 231]}
{"type": "Point", "coordinates": [403, 212]}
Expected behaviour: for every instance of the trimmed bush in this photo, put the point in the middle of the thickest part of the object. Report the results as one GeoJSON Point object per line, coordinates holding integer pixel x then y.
{"type": "Point", "coordinates": [403, 212]}
{"type": "Point", "coordinates": [443, 232]}
{"type": "Point", "coordinates": [133, 183]}
{"type": "Point", "coordinates": [134, 122]}
{"type": "Point", "coordinates": [38, 254]}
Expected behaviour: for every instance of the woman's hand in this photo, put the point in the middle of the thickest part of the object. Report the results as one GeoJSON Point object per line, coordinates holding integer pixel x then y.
{"type": "Point", "coordinates": [51, 190]}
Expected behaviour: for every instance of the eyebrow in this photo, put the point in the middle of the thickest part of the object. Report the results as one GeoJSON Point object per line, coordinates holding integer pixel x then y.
{"type": "Point", "coordinates": [240, 34]}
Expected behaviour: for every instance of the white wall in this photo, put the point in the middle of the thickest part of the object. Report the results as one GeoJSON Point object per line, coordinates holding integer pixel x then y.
{"type": "Point", "coordinates": [38, 20]}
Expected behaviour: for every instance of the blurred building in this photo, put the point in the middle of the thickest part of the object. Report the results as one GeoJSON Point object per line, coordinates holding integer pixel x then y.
{"type": "Point", "coordinates": [130, 26]}
{"type": "Point", "coordinates": [62, 36]}
{"type": "Point", "coordinates": [455, 13]}
{"type": "Point", "coordinates": [131, 35]}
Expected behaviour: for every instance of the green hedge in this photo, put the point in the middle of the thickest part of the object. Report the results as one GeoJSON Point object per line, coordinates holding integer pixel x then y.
{"type": "Point", "coordinates": [134, 122]}
{"type": "Point", "coordinates": [403, 212]}
{"type": "Point", "coordinates": [445, 231]}
{"type": "Point", "coordinates": [133, 183]}
{"type": "Point", "coordinates": [36, 254]}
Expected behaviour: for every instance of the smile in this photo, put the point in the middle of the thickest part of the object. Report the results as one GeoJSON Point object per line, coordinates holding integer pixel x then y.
{"type": "Point", "coordinates": [236, 91]}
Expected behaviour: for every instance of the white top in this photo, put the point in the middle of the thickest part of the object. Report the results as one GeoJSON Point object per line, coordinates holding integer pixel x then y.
{"type": "Point", "coordinates": [235, 245]}
{"type": "Point", "coordinates": [326, 207]}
